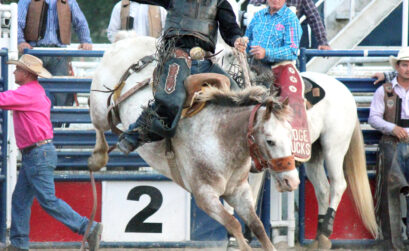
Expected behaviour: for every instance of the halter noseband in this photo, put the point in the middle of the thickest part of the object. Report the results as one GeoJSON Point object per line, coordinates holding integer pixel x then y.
{"type": "Point", "coordinates": [278, 164]}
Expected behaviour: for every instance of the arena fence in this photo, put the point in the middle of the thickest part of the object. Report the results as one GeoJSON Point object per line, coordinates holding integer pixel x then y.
{"type": "Point", "coordinates": [3, 137]}
{"type": "Point", "coordinates": [75, 146]}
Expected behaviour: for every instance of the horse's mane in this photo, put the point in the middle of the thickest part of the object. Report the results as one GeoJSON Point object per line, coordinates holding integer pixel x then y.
{"type": "Point", "coordinates": [250, 96]}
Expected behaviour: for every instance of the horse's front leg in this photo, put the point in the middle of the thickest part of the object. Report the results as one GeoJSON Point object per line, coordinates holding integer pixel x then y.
{"type": "Point", "coordinates": [242, 202]}
{"type": "Point", "coordinates": [99, 157]}
{"type": "Point", "coordinates": [208, 201]}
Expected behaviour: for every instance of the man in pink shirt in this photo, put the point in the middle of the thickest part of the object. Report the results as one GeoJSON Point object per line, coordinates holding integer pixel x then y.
{"type": "Point", "coordinates": [389, 114]}
{"type": "Point", "coordinates": [34, 134]}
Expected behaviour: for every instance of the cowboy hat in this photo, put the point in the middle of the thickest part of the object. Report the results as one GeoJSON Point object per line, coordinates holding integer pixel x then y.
{"type": "Point", "coordinates": [403, 55]}
{"type": "Point", "coordinates": [32, 64]}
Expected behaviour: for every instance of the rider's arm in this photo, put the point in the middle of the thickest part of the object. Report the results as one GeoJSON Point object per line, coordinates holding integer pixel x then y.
{"type": "Point", "coordinates": [229, 29]}
{"type": "Point", "coordinates": [163, 3]}
{"type": "Point", "coordinates": [376, 113]}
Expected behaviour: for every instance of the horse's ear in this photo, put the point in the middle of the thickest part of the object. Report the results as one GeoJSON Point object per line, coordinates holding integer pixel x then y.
{"type": "Point", "coordinates": [269, 109]}
{"type": "Point", "coordinates": [285, 102]}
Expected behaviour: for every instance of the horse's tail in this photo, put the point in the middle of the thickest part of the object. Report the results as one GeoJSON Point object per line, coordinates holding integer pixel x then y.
{"type": "Point", "coordinates": [357, 178]}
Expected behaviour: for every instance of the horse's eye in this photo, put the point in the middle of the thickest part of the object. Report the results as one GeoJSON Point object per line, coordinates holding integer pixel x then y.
{"type": "Point", "coordinates": [271, 143]}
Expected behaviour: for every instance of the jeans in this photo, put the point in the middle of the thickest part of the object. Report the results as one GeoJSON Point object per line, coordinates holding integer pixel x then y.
{"type": "Point", "coordinates": [36, 179]}
{"type": "Point", "coordinates": [401, 160]}
{"type": "Point", "coordinates": [201, 66]}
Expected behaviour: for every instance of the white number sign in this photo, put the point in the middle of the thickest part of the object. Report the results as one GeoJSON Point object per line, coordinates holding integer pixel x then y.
{"type": "Point", "coordinates": [145, 211]}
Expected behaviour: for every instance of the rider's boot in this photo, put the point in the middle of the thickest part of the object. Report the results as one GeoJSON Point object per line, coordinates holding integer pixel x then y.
{"type": "Point", "coordinates": [129, 140]}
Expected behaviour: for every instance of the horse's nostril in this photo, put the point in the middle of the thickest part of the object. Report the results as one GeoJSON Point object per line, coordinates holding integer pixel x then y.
{"type": "Point", "coordinates": [287, 183]}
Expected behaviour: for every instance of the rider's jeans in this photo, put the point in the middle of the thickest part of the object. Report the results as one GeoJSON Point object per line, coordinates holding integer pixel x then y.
{"type": "Point", "coordinates": [36, 179]}
{"type": "Point", "coordinates": [200, 66]}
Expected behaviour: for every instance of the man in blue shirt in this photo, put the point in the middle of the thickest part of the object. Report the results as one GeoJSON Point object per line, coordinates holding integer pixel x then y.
{"type": "Point", "coordinates": [47, 23]}
{"type": "Point", "coordinates": [274, 37]}
{"type": "Point", "coordinates": [274, 33]}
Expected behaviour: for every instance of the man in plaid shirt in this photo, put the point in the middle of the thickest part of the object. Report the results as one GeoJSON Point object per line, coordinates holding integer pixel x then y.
{"type": "Point", "coordinates": [274, 37]}
{"type": "Point", "coordinates": [307, 8]}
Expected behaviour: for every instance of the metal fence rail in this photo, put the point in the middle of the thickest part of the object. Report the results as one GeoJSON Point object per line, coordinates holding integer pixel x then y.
{"type": "Point", "coordinates": [3, 167]}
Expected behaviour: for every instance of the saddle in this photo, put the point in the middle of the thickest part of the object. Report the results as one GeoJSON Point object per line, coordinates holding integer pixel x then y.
{"type": "Point", "coordinates": [196, 84]}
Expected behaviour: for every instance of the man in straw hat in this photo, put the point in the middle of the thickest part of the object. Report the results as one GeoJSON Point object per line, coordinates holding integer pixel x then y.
{"type": "Point", "coordinates": [389, 114]}
{"type": "Point", "coordinates": [34, 134]}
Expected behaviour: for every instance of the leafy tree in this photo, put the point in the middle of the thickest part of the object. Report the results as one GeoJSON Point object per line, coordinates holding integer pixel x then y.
{"type": "Point", "coordinates": [97, 12]}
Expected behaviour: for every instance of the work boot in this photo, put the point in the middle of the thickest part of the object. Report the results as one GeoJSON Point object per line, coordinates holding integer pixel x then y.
{"type": "Point", "coordinates": [125, 146]}
{"type": "Point", "coordinates": [94, 237]}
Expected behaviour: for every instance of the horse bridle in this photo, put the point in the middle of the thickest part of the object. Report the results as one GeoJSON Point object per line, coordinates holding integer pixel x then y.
{"type": "Point", "coordinates": [277, 164]}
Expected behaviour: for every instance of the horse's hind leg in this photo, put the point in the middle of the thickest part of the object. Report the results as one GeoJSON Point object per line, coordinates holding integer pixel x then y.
{"type": "Point", "coordinates": [210, 203]}
{"type": "Point", "coordinates": [242, 202]}
{"type": "Point", "coordinates": [316, 174]}
{"type": "Point", "coordinates": [99, 157]}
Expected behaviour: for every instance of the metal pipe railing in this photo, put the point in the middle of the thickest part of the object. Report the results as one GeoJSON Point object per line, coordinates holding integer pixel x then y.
{"type": "Point", "coordinates": [4, 145]}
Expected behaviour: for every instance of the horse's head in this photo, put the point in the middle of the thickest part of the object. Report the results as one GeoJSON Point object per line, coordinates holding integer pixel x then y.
{"type": "Point", "coordinates": [272, 134]}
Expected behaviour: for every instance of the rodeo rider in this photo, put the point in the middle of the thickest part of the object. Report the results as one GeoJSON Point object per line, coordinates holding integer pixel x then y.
{"type": "Point", "coordinates": [34, 134]}
{"type": "Point", "coordinates": [389, 113]}
{"type": "Point", "coordinates": [191, 26]}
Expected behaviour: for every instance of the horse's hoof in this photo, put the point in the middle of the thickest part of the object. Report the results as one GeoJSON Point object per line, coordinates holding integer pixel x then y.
{"type": "Point", "coordinates": [232, 245]}
{"type": "Point", "coordinates": [324, 243]}
{"type": "Point", "coordinates": [92, 166]}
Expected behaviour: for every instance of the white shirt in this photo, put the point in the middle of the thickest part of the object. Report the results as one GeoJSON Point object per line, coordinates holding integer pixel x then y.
{"type": "Point", "coordinates": [377, 110]}
{"type": "Point", "coordinates": [141, 21]}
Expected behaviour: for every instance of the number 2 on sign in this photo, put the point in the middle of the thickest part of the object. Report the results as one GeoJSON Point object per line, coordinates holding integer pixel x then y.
{"type": "Point", "coordinates": [136, 224]}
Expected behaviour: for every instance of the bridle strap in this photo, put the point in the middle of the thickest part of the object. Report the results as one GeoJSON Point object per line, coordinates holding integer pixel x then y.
{"type": "Point", "coordinates": [259, 162]}
{"type": "Point", "coordinates": [278, 164]}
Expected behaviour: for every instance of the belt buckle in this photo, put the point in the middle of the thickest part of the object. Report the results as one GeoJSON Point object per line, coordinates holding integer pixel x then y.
{"type": "Point", "coordinates": [197, 53]}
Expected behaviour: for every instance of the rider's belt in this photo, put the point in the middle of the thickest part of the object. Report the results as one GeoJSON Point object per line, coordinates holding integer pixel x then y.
{"type": "Point", "coordinates": [37, 144]}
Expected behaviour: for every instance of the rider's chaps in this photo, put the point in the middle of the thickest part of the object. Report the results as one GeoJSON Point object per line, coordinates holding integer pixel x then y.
{"type": "Point", "coordinates": [390, 182]}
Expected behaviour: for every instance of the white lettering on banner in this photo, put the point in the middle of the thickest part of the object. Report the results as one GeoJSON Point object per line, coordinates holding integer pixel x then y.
{"type": "Point", "coordinates": [300, 135]}
{"type": "Point", "coordinates": [301, 148]}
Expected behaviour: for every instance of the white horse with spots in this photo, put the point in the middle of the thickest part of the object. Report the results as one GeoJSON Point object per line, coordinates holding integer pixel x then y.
{"type": "Point", "coordinates": [335, 131]}
{"type": "Point", "coordinates": [212, 158]}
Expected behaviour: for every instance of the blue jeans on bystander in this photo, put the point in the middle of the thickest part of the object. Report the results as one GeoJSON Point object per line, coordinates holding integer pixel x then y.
{"type": "Point", "coordinates": [36, 179]}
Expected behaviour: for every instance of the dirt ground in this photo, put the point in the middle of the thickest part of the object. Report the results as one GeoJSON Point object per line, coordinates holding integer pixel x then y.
{"type": "Point", "coordinates": [279, 247]}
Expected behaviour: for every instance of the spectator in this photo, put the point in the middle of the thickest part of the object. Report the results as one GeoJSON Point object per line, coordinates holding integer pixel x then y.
{"type": "Point", "coordinates": [145, 20]}
{"type": "Point", "coordinates": [307, 8]}
{"type": "Point", "coordinates": [47, 23]}
{"type": "Point", "coordinates": [274, 37]}
{"type": "Point", "coordinates": [34, 134]}
{"type": "Point", "coordinates": [389, 113]}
